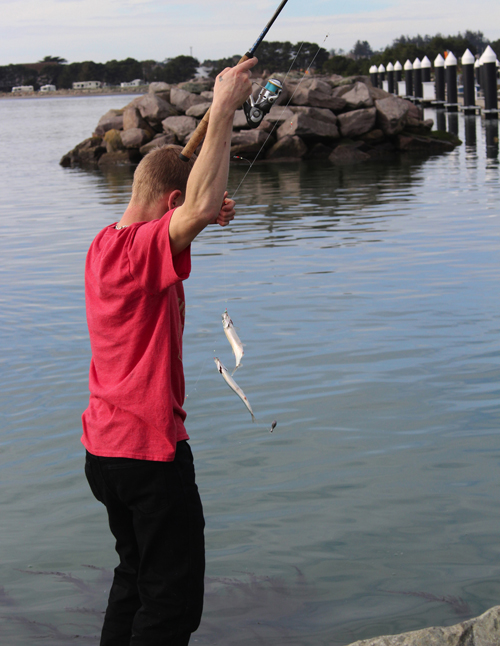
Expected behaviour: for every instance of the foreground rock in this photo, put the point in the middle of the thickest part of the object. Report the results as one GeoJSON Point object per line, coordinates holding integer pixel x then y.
{"type": "Point", "coordinates": [342, 121]}
{"type": "Point", "coordinates": [481, 631]}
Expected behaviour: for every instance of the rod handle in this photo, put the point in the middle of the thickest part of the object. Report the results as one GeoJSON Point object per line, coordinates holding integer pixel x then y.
{"type": "Point", "coordinates": [200, 132]}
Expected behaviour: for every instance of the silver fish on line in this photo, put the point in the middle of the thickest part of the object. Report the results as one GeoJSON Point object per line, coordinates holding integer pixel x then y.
{"type": "Point", "coordinates": [233, 385]}
{"type": "Point", "coordinates": [273, 426]}
{"type": "Point", "coordinates": [234, 340]}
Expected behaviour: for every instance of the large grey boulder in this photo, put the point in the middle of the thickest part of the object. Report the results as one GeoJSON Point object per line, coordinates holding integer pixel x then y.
{"type": "Point", "coordinates": [180, 126]}
{"type": "Point", "coordinates": [414, 111]}
{"type": "Point", "coordinates": [319, 152]}
{"type": "Point", "coordinates": [350, 80]}
{"type": "Point", "coordinates": [158, 142]}
{"type": "Point", "coordinates": [132, 119]}
{"type": "Point", "coordinates": [154, 109]}
{"type": "Point", "coordinates": [357, 122]}
{"type": "Point", "coordinates": [113, 141]}
{"type": "Point", "coordinates": [374, 137]}
{"type": "Point", "coordinates": [334, 79]}
{"type": "Point", "coordinates": [198, 110]}
{"type": "Point", "coordinates": [158, 87]}
{"type": "Point", "coordinates": [317, 94]}
{"type": "Point", "coordinates": [183, 100]}
{"type": "Point", "coordinates": [340, 90]}
{"type": "Point", "coordinates": [346, 155]}
{"type": "Point", "coordinates": [287, 148]}
{"type": "Point", "coordinates": [307, 128]}
{"type": "Point", "coordinates": [481, 631]}
{"type": "Point", "coordinates": [279, 114]}
{"type": "Point", "coordinates": [197, 86]}
{"type": "Point", "coordinates": [113, 119]}
{"type": "Point", "coordinates": [392, 114]}
{"type": "Point", "coordinates": [135, 137]}
{"type": "Point", "coordinates": [161, 89]}
{"type": "Point", "coordinates": [86, 153]}
{"type": "Point", "coordinates": [378, 93]}
{"type": "Point", "coordinates": [322, 114]}
{"type": "Point", "coordinates": [358, 97]}
{"type": "Point", "coordinates": [249, 141]}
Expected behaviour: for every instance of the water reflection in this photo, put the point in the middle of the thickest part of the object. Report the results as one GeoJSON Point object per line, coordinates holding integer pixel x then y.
{"type": "Point", "coordinates": [113, 181]}
{"type": "Point", "coordinates": [491, 128]}
{"type": "Point", "coordinates": [453, 123]}
{"type": "Point", "coordinates": [440, 120]}
{"type": "Point", "coordinates": [316, 196]}
{"type": "Point", "coordinates": [470, 133]}
{"type": "Point", "coordinates": [324, 194]}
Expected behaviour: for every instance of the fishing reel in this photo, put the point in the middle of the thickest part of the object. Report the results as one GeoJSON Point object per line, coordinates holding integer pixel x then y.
{"type": "Point", "coordinates": [256, 109]}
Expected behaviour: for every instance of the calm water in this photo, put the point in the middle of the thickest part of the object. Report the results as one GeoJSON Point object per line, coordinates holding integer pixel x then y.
{"type": "Point", "coordinates": [367, 299]}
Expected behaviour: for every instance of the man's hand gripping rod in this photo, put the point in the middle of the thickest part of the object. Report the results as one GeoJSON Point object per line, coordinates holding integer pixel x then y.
{"type": "Point", "coordinates": [201, 130]}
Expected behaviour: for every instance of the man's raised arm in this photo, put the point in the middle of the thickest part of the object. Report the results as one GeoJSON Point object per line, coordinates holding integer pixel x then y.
{"type": "Point", "coordinates": [208, 179]}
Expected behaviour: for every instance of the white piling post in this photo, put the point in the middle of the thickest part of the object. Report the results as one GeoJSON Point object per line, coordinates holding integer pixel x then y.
{"type": "Point", "coordinates": [417, 79]}
{"type": "Point", "coordinates": [468, 63]}
{"type": "Point", "coordinates": [390, 78]}
{"type": "Point", "coordinates": [409, 79]}
{"type": "Point", "coordinates": [451, 83]}
{"type": "Point", "coordinates": [489, 64]}
{"type": "Point", "coordinates": [426, 70]}
{"type": "Point", "coordinates": [374, 75]}
{"type": "Point", "coordinates": [398, 71]}
{"type": "Point", "coordinates": [440, 85]}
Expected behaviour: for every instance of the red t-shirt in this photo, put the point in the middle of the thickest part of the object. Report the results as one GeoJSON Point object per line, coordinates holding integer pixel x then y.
{"type": "Point", "coordinates": [135, 314]}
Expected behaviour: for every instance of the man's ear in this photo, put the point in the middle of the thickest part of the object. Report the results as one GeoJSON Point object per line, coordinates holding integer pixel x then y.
{"type": "Point", "coordinates": [175, 198]}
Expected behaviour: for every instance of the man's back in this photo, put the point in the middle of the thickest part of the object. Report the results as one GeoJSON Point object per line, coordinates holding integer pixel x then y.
{"type": "Point", "coordinates": [135, 313]}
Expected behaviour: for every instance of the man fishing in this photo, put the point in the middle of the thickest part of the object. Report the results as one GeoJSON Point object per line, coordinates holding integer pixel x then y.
{"type": "Point", "coordinates": [138, 462]}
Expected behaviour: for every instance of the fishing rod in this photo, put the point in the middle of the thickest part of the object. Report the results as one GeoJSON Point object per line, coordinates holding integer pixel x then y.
{"type": "Point", "coordinates": [254, 110]}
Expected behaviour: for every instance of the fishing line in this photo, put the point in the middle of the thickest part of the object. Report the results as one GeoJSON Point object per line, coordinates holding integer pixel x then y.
{"type": "Point", "coordinates": [274, 423]}
{"type": "Point", "coordinates": [284, 108]}
{"type": "Point", "coordinates": [253, 162]}
{"type": "Point", "coordinates": [196, 383]}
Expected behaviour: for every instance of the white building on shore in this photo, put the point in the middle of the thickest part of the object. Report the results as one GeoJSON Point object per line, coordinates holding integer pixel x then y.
{"type": "Point", "coordinates": [87, 85]}
{"type": "Point", "coordinates": [48, 88]}
{"type": "Point", "coordinates": [134, 83]}
{"type": "Point", "coordinates": [22, 88]}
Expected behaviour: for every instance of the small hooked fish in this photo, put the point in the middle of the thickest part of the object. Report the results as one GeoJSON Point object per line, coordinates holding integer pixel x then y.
{"type": "Point", "coordinates": [233, 385]}
{"type": "Point", "coordinates": [234, 341]}
{"type": "Point", "coordinates": [273, 426]}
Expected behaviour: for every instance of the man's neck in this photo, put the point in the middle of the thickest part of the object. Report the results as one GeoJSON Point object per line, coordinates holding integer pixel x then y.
{"type": "Point", "coordinates": [142, 213]}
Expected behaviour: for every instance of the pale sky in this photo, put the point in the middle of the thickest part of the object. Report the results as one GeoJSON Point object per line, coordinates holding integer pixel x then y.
{"type": "Point", "coordinates": [101, 30]}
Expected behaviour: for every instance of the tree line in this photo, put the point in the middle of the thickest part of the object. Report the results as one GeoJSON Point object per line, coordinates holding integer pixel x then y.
{"type": "Point", "coordinates": [53, 70]}
{"type": "Point", "coordinates": [273, 57]}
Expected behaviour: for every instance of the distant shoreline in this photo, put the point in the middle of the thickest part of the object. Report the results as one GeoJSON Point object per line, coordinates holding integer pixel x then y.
{"type": "Point", "coordinates": [142, 89]}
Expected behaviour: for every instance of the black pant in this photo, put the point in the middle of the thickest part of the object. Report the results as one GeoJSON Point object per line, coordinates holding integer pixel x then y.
{"type": "Point", "coordinates": [156, 516]}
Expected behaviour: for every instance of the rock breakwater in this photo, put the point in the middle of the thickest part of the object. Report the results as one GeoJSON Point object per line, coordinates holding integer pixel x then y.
{"type": "Point", "coordinates": [343, 120]}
